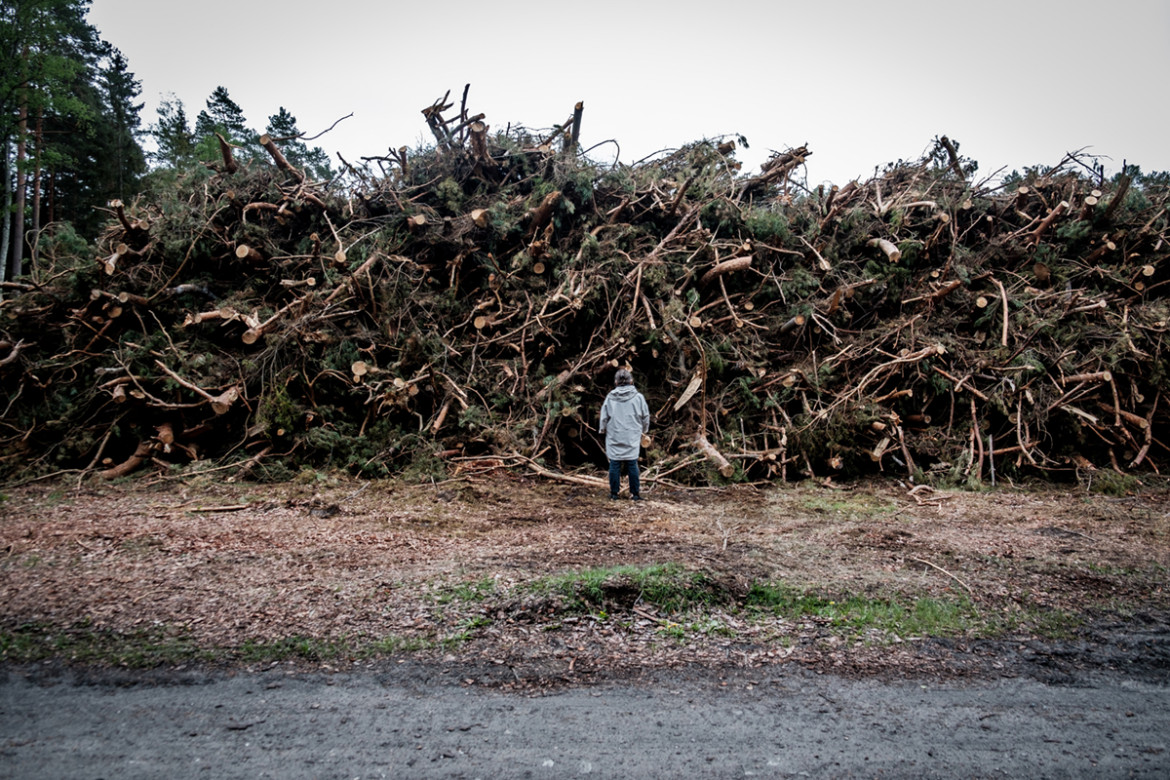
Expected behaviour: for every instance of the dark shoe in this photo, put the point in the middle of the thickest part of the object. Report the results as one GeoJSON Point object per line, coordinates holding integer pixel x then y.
{"type": "Point", "coordinates": [635, 498]}
{"type": "Point", "coordinates": [613, 496]}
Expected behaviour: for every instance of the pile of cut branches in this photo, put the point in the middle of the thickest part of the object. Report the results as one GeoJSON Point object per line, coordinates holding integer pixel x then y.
{"type": "Point", "coordinates": [465, 306]}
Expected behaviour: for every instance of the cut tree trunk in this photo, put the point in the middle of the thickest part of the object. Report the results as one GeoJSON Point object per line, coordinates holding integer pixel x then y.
{"type": "Point", "coordinates": [1046, 223]}
{"type": "Point", "coordinates": [575, 132]}
{"type": "Point", "coordinates": [726, 267]}
{"type": "Point", "coordinates": [953, 154]}
{"type": "Point", "coordinates": [477, 140]}
{"type": "Point", "coordinates": [1118, 197]}
{"type": "Point", "coordinates": [542, 214]}
{"type": "Point", "coordinates": [225, 151]}
{"type": "Point", "coordinates": [888, 248]}
{"type": "Point", "coordinates": [134, 461]}
{"type": "Point", "coordinates": [279, 158]}
{"type": "Point", "coordinates": [726, 470]}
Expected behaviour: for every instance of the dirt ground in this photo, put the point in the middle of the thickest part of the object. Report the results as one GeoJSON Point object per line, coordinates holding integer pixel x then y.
{"type": "Point", "coordinates": [345, 574]}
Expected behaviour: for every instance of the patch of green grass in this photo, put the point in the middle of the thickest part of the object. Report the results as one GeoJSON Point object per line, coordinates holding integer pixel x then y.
{"type": "Point", "coordinates": [858, 614]}
{"type": "Point", "coordinates": [35, 642]}
{"type": "Point", "coordinates": [466, 591]}
{"type": "Point", "coordinates": [293, 647]}
{"type": "Point", "coordinates": [667, 586]}
{"type": "Point", "coordinates": [479, 621]}
{"type": "Point", "coordinates": [1044, 622]}
{"type": "Point", "coordinates": [855, 506]}
{"type": "Point", "coordinates": [1110, 483]}
{"type": "Point", "coordinates": [466, 632]}
{"type": "Point", "coordinates": [393, 645]}
{"type": "Point", "coordinates": [1054, 624]}
{"type": "Point", "coordinates": [682, 631]}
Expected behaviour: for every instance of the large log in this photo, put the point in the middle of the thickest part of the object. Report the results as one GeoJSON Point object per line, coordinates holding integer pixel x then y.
{"type": "Point", "coordinates": [722, 464]}
{"type": "Point", "coordinates": [889, 249]}
{"type": "Point", "coordinates": [225, 152]}
{"type": "Point", "coordinates": [141, 453]}
{"type": "Point", "coordinates": [725, 267]}
{"type": "Point", "coordinates": [278, 157]}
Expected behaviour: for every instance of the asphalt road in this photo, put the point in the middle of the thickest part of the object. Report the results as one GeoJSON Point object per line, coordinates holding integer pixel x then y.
{"type": "Point", "coordinates": [411, 722]}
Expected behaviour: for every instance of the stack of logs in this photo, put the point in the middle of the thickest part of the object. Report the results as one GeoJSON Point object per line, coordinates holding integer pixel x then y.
{"type": "Point", "coordinates": [466, 306]}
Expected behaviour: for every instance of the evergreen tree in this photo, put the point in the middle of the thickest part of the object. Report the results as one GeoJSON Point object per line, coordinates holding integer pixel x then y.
{"type": "Point", "coordinates": [222, 115]}
{"type": "Point", "coordinates": [124, 122]}
{"type": "Point", "coordinates": [225, 117]}
{"type": "Point", "coordinates": [172, 135]}
{"type": "Point", "coordinates": [282, 126]}
{"type": "Point", "coordinates": [46, 48]}
{"type": "Point", "coordinates": [39, 42]}
{"type": "Point", "coordinates": [88, 162]}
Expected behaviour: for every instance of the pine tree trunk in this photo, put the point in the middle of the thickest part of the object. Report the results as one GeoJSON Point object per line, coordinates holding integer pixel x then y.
{"type": "Point", "coordinates": [21, 182]}
{"type": "Point", "coordinates": [51, 208]}
{"type": "Point", "coordinates": [6, 227]}
{"type": "Point", "coordinates": [36, 188]}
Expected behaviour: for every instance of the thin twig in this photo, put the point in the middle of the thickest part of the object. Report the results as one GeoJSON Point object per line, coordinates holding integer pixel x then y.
{"type": "Point", "coordinates": [966, 587]}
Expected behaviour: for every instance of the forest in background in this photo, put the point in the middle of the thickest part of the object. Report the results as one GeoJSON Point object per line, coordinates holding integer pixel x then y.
{"type": "Point", "coordinates": [73, 135]}
{"type": "Point", "coordinates": [233, 300]}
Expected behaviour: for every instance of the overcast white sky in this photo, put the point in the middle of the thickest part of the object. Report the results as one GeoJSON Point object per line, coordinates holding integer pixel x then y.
{"type": "Point", "coordinates": [1016, 82]}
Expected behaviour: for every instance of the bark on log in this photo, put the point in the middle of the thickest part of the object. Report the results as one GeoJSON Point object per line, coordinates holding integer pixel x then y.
{"type": "Point", "coordinates": [539, 470]}
{"type": "Point", "coordinates": [13, 354]}
{"type": "Point", "coordinates": [279, 158]}
{"type": "Point", "coordinates": [1003, 296]}
{"type": "Point", "coordinates": [726, 470]}
{"type": "Point", "coordinates": [1096, 254]}
{"type": "Point", "coordinates": [134, 461]}
{"type": "Point", "coordinates": [245, 252]}
{"type": "Point", "coordinates": [575, 132]}
{"type": "Point", "coordinates": [891, 251]}
{"type": "Point", "coordinates": [725, 267]}
{"type": "Point", "coordinates": [792, 324]}
{"type": "Point", "coordinates": [477, 140]}
{"type": "Point", "coordinates": [136, 228]}
{"type": "Point", "coordinates": [1088, 204]}
{"type": "Point", "coordinates": [1057, 210]}
{"type": "Point", "coordinates": [258, 329]}
{"type": "Point", "coordinates": [1022, 193]}
{"type": "Point", "coordinates": [225, 151]}
{"type": "Point", "coordinates": [953, 154]}
{"type": "Point", "coordinates": [542, 214]}
{"type": "Point", "coordinates": [777, 168]}
{"type": "Point", "coordinates": [1122, 189]}
{"type": "Point", "coordinates": [1096, 376]}
{"type": "Point", "coordinates": [1136, 420]}
{"type": "Point", "coordinates": [219, 403]}
{"type": "Point", "coordinates": [137, 300]}
{"type": "Point", "coordinates": [938, 294]}
{"type": "Point", "coordinates": [110, 263]}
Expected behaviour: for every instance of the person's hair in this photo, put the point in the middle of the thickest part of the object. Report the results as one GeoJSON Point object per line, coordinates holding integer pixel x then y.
{"type": "Point", "coordinates": [623, 377]}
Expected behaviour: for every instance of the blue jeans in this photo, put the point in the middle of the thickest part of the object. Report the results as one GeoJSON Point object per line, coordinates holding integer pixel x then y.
{"type": "Point", "coordinates": [615, 477]}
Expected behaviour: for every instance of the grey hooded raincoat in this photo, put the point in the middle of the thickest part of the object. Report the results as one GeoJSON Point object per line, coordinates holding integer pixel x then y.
{"type": "Point", "coordinates": [624, 418]}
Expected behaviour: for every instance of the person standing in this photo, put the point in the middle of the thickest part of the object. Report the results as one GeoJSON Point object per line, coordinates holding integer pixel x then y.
{"type": "Point", "coordinates": [624, 419]}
